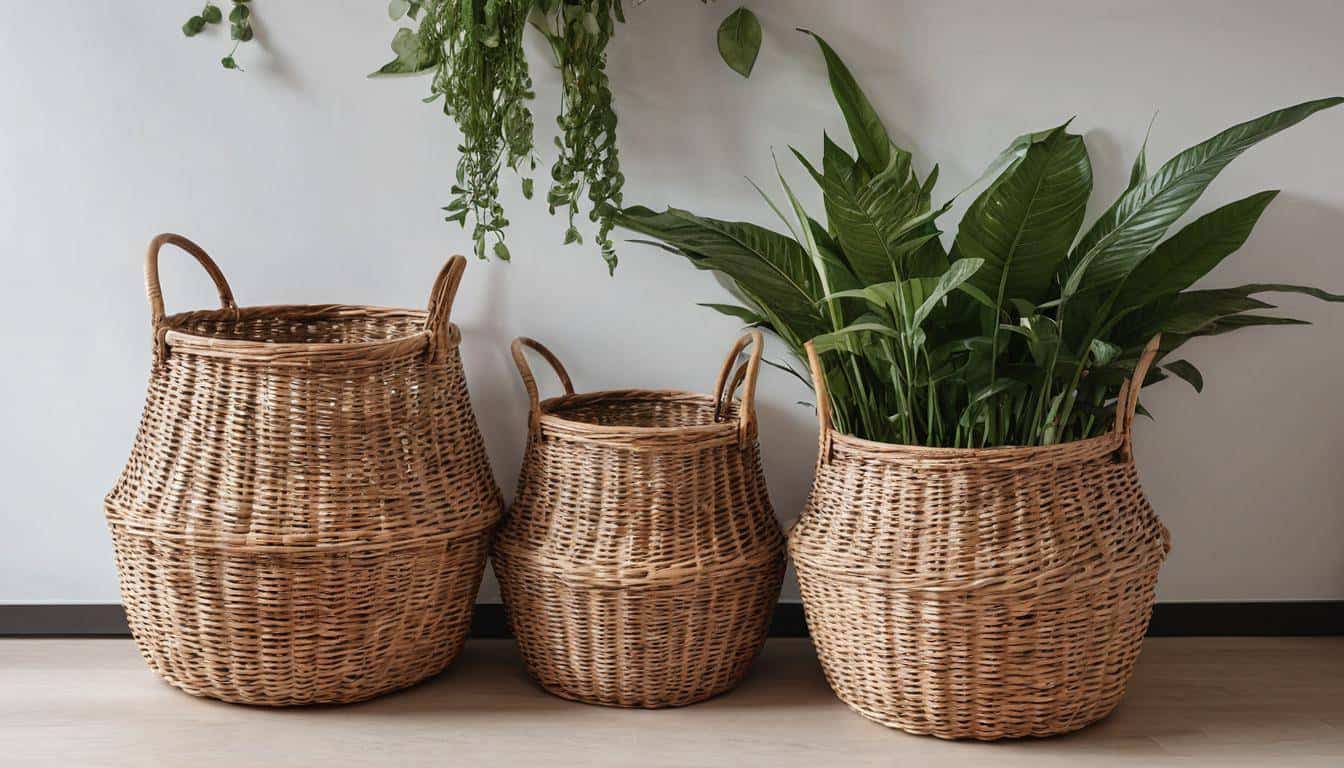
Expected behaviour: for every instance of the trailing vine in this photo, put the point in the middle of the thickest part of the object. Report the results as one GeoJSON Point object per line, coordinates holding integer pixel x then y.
{"type": "Point", "coordinates": [578, 33]}
{"type": "Point", "coordinates": [474, 51]}
{"type": "Point", "coordinates": [474, 48]}
{"type": "Point", "coordinates": [240, 27]}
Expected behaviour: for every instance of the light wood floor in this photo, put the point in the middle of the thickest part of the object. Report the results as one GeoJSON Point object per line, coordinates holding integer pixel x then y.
{"type": "Point", "coordinates": [1253, 702]}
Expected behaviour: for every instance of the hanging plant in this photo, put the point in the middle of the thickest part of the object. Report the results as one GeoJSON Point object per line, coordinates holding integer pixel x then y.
{"type": "Point", "coordinates": [589, 163]}
{"type": "Point", "coordinates": [474, 51]}
{"type": "Point", "coordinates": [240, 26]}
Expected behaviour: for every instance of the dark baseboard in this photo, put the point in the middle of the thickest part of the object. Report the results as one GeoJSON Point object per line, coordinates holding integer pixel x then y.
{"type": "Point", "coordinates": [1312, 618]}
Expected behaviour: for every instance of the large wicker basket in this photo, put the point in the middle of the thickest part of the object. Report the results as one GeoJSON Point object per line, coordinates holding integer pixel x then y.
{"type": "Point", "coordinates": [305, 514]}
{"type": "Point", "coordinates": [641, 559]}
{"type": "Point", "coordinates": [979, 594]}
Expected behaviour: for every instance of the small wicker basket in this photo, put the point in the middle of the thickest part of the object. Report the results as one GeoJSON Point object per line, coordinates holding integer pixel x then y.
{"type": "Point", "coordinates": [305, 514]}
{"type": "Point", "coordinates": [979, 594]}
{"type": "Point", "coordinates": [641, 559]}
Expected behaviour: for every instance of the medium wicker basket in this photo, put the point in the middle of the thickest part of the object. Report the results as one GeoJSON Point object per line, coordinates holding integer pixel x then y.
{"type": "Point", "coordinates": [979, 594]}
{"type": "Point", "coordinates": [306, 511]}
{"type": "Point", "coordinates": [641, 559]}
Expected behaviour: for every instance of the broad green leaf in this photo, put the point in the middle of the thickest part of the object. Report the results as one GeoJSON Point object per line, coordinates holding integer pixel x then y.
{"type": "Point", "coordinates": [1023, 224]}
{"type": "Point", "coordinates": [838, 339]}
{"type": "Point", "coordinates": [1237, 322]}
{"type": "Point", "coordinates": [837, 166]}
{"type": "Point", "coordinates": [1139, 171]}
{"type": "Point", "coordinates": [1042, 336]}
{"type": "Point", "coordinates": [960, 271]}
{"type": "Point", "coordinates": [980, 296]}
{"type": "Point", "coordinates": [788, 369]}
{"type": "Point", "coordinates": [1000, 385]}
{"type": "Point", "coordinates": [740, 40]}
{"type": "Point", "coordinates": [820, 268]}
{"type": "Point", "coordinates": [732, 310]}
{"type": "Point", "coordinates": [412, 57]}
{"type": "Point", "coordinates": [883, 224]}
{"type": "Point", "coordinates": [1185, 313]}
{"type": "Point", "coordinates": [1191, 253]}
{"type": "Point", "coordinates": [881, 295]}
{"type": "Point", "coordinates": [773, 271]}
{"type": "Point", "coordinates": [1306, 290]}
{"type": "Point", "coordinates": [1131, 227]}
{"type": "Point", "coordinates": [865, 127]}
{"type": "Point", "coordinates": [1187, 372]}
{"type": "Point", "coordinates": [1010, 154]}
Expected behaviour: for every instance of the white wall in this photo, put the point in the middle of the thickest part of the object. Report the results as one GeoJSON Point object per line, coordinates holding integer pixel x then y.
{"type": "Point", "coordinates": [310, 183]}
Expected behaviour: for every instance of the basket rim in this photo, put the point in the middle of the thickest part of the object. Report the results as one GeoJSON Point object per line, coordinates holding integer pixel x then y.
{"type": "Point", "coordinates": [555, 424]}
{"type": "Point", "coordinates": [407, 344]}
{"type": "Point", "coordinates": [1006, 455]}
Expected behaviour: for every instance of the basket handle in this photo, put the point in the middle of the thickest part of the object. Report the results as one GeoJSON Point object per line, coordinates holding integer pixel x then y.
{"type": "Point", "coordinates": [530, 381]}
{"type": "Point", "coordinates": [443, 335]}
{"type": "Point", "coordinates": [823, 395]}
{"type": "Point", "coordinates": [155, 290]}
{"type": "Point", "coordinates": [745, 375]}
{"type": "Point", "coordinates": [1127, 405]}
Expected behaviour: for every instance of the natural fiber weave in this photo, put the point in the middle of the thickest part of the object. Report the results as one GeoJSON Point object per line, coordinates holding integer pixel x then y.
{"type": "Point", "coordinates": [641, 560]}
{"type": "Point", "coordinates": [979, 594]}
{"type": "Point", "coordinates": [305, 514]}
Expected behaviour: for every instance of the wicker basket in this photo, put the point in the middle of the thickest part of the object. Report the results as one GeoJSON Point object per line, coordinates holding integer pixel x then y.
{"type": "Point", "coordinates": [979, 594]}
{"type": "Point", "coordinates": [641, 560]}
{"type": "Point", "coordinates": [305, 514]}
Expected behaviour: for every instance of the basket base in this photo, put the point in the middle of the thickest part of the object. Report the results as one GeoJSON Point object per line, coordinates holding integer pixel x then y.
{"type": "Point", "coordinates": [349, 696]}
{"type": "Point", "coordinates": [650, 704]}
{"type": "Point", "coordinates": [298, 628]}
{"type": "Point", "coordinates": [648, 648]}
{"type": "Point", "coordinates": [973, 734]}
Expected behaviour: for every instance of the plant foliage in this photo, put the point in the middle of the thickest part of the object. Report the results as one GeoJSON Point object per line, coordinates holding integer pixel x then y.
{"type": "Point", "coordinates": [240, 26]}
{"type": "Point", "coordinates": [1023, 332]}
{"type": "Point", "coordinates": [739, 39]}
{"type": "Point", "coordinates": [474, 51]}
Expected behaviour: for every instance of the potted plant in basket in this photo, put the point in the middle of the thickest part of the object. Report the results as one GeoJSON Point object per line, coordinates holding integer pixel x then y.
{"type": "Point", "coordinates": [977, 558]}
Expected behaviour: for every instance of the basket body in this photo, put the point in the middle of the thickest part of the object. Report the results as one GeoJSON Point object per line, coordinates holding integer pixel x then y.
{"type": "Point", "coordinates": [641, 560]}
{"type": "Point", "coordinates": [306, 510]}
{"type": "Point", "coordinates": [978, 594]}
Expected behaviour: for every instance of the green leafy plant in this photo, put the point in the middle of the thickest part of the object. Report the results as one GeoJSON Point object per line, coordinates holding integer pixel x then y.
{"type": "Point", "coordinates": [1023, 332]}
{"type": "Point", "coordinates": [588, 163]}
{"type": "Point", "coordinates": [240, 26]}
{"type": "Point", "coordinates": [474, 51]}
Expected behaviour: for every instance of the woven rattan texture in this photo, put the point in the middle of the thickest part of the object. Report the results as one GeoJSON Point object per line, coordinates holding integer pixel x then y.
{"type": "Point", "coordinates": [306, 510]}
{"type": "Point", "coordinates": [978, 594]}
{"type": "Point", "coordinates": [641, 560]}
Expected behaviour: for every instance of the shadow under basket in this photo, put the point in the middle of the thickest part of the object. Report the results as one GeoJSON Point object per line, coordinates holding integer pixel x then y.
{"type": "Point", "coordinates": [641, 559]}
{"type": "Point", "coordinates": [305, 514]}
{"type": "Point", "coordinates": [980, 594]}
